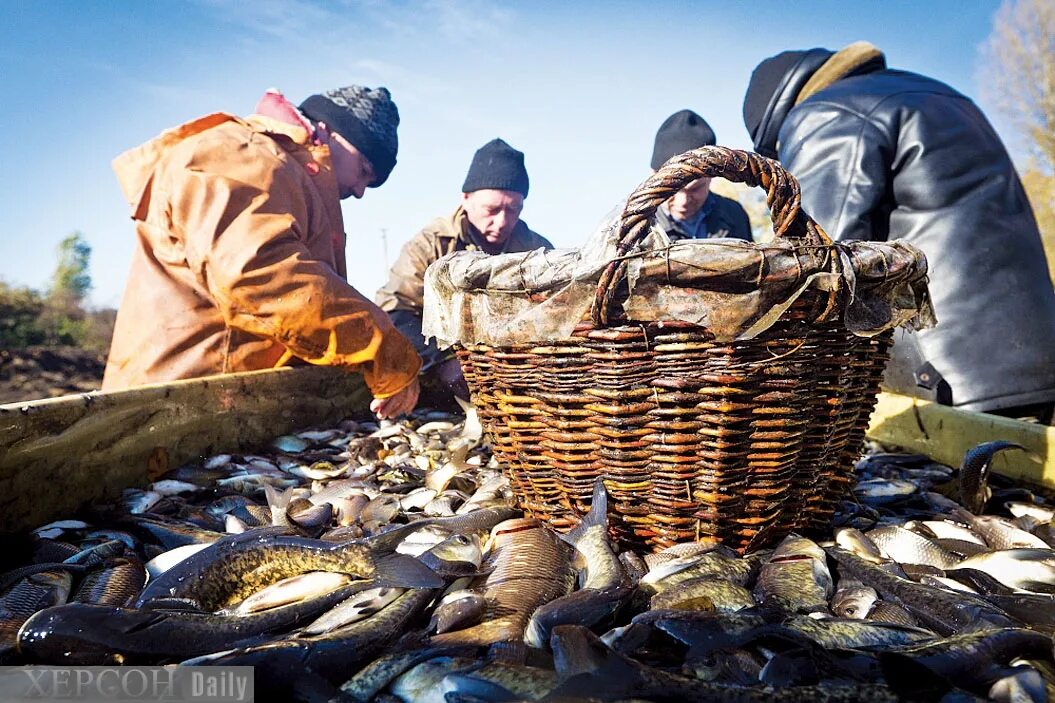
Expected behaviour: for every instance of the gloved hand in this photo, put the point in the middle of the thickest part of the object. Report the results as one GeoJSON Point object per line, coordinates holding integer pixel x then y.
{"type": "Point", "coordinates": [450, 374]}
{"type": "Point", "coordinates": [401, 403]}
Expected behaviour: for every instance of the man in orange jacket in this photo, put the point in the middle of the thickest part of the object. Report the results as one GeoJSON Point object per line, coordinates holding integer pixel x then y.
{"type": "Point", "coordinates": [239, 261]}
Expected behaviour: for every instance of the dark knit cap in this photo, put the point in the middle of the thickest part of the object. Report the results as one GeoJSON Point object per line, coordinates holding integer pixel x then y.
{"type": "Point", "coordinates": [771, 93]}
{"type": "Point", "coordinates": [497, 166]}
{"type": "Point", "coordinates": [683, 131]}
{"type": "Point", "coordinates": [366, 117]}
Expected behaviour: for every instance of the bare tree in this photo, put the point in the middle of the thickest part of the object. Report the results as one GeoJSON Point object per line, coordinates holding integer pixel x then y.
{"type": "Point", "coordinates": [1019, 73]}
{"type": "Point", "coordinates": [1018, 77]}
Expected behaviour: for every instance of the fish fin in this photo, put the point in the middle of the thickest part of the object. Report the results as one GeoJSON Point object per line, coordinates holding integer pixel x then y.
{"type": "Point", "coordinates": [402, 571]}
{"type": "Point", "coordinates": [484, 634]}
{"type": "Point", "coordinates": [597, 517]}
{"type": "Point", "coordinates": [472, 429]}
{"type": "Point", "coordinates": [277, 499]}
{"type": "Point", "coordinates": [186, 605]}
{"type": "Point", "coordinates": [585, 663]}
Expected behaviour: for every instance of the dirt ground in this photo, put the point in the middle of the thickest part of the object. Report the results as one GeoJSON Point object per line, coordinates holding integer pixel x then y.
{"type": "Point", "coordinates": [45, 372]}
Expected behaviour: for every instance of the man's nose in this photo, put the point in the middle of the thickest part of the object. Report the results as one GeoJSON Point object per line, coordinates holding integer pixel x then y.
{"type": "Point", "coordinates": [500, 221]}
{"type": "Point", "coordinates": [359, 191]}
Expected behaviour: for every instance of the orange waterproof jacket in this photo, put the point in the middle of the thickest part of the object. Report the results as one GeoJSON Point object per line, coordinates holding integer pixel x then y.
{"type": "Point", "coordinates": [239, 261]}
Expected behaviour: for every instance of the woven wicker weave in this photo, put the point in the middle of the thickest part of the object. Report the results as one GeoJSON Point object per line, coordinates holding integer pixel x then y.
{"type": "Point", "coordinates": [697, 439]}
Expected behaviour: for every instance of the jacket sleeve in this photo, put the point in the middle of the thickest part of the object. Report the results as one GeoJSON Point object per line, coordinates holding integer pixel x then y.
{"type": "Point", "coordinates": [842, 162]}
{"type": "Point", "coordinates": [403, 296]}
{"type": "Point", "coordinates": [246, 244]}
{"type": "Point", "coordinates": [405, 289]}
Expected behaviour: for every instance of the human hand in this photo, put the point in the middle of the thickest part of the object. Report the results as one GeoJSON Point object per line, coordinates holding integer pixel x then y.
{"type": "Point", "coordinates": [450, 374]}
{"type": "Point", "coordinates": [401, 403]}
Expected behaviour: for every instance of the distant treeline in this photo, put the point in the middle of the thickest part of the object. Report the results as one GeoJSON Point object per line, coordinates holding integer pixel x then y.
{"type": "Point", "coordinates": [58, 316]}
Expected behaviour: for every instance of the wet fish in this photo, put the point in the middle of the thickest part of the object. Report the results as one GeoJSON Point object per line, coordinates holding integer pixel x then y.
{"type": "Point", "coordinates": [855, 602]}
{"type": "Point", "coordinates": [1043, 513]}
{"type": "Point", "coordinates": [718, 561]}
{"type": "Point", "coordinates": [945, 613]}
{"type": "Point", "coordinates": [117, 581]}
{"type": "Point", "coordinates": [704, 593]}
{"type": "Point", "coordinates": [947, 529]}
{"type": "Point", "coordinates": [172, 533]}
{"type": "Point", "coordinates": [529, 567]}
{"type": "Point", "coordinates": [1026, 569]}
{"type": "Point", "coordinates": [331, 655]}
{"type": "Point", "coordinates": [30, 595]}
{"type": "Point", "coordinates": [458, 610]}
{"type": "Point", "coordinates": [905, 546]}
{"type": "Point", "coordinates": [974, 473]}
{"type": "Point", "coordinates": [291, 590]}
{"type": "Point", "coordinates": [838, 633]}
{"type": "Point", "coordinates": [425, 683]}
{"type": "Point", "coordinates": [796, 577]}
{"type": "Point", "coordinates": [605, 588]}
{"type": "Point", "coordinates": [884, 491]}
{"type": "Point", "coordinates": [458, 555]}
{"type": "Point", "coordinates": [1001, 534]}
{"type": "Point", "coordinates": [369, 681]}
{"type": "Point", "coordinates": [969, 659]}
{"type": "Point", "coordinates": [358, 606]}
{"type": "Point", "coordinates": [892, 613]}
{"type": "Point", "coordinates": [232, 568]}
{"type": "Point", "coordinates": [859, 543]}
{"type": "Point", "coordinates": [591, 670]}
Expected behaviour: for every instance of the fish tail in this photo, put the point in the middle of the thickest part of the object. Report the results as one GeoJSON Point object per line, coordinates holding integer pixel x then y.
{"type": "Point", "coordinates": [597, 517]}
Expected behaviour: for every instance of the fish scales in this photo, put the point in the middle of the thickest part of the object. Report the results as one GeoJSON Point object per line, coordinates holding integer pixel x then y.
{"type": "Point", "coordinates": [529, 567]}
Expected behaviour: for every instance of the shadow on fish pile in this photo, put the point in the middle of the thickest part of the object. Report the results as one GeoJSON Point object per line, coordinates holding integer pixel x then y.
{"type": "Point", "coordinates": [385, 563]}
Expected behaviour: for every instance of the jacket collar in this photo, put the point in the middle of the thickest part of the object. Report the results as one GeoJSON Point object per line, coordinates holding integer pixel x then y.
{"type": "Point", "coordinates": [859, 57]}
{"type": "Point", "coordinates": [277, 115]}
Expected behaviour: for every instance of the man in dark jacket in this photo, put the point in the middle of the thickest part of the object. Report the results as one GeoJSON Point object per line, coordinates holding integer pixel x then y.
{"type": "Point", "coordinates": [694, 212]}
{"type": "Point", "coordinates": [885, 154]}
{"type": "Point", "coordinates": [488, 220]}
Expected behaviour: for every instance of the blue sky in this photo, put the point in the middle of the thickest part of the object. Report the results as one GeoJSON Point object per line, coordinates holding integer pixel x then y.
{"type": "Point", "coordinates": [579, 87]}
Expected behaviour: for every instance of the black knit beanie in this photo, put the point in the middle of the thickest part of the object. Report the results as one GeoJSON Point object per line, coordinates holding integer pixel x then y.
{"type": "Point", "coordinates": [683, 131]}
{"type": "Point", "coordinates": [775, 83]}
{"type": "Point", "coordinates": [366, 117]}
{"type": "Point", "coordinates": [497, 166]}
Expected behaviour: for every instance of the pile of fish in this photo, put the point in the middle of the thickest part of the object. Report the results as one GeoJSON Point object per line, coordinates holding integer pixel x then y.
{"type": "Point", "coordinates": [386, 563]}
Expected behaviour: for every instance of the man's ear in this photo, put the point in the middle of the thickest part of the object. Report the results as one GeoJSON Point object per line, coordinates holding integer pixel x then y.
{"type": "Point", "coordinates": [465, 197]}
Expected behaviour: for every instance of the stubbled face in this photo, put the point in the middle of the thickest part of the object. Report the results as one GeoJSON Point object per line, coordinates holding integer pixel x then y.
{"type": "Point", "coordinates": [494, 213]}
{"type": "Point", "coordinates": [684, 204]}
{"type": "Point", "coordinates": [353, 170]}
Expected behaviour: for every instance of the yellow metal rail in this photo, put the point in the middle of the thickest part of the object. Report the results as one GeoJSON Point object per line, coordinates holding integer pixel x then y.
{"type": "Point", "coordinates": [945, 434]}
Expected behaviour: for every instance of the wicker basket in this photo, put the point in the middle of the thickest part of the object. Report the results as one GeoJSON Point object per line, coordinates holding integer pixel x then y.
{"type": "Point", "coordinates": [697, 439]}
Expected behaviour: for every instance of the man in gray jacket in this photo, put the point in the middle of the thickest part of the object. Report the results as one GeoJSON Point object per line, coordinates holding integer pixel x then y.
{"type": "Point", "coordinates": [885, 154]}
{"type": "Point", "coordinates": [694, 212]}
{"type": "Point", "coordinates": [488, 220]}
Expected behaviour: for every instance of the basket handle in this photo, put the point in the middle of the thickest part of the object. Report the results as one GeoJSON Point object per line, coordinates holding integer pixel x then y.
{"type": "Point", "coordinates": [782, 196]}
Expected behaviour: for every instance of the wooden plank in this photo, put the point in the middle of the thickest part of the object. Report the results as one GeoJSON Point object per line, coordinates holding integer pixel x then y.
{"type": "Point", "coordinates": [945, 434]}
{"type": "Point", "coordinates": [58, 454]}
